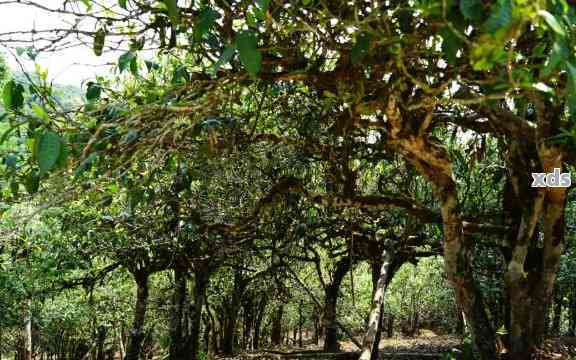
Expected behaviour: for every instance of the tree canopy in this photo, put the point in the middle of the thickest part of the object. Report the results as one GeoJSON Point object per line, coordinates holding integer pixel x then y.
{"type": "Point", "coordinates": [248, 164]}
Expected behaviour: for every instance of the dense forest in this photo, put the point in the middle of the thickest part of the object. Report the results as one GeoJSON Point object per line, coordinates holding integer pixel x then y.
{"type": "Point", "coordinates": [302, 179]}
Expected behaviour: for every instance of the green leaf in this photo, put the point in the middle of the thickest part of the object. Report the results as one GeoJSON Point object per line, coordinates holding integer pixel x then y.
{"type": "Point", "coordinates": [261, 8]}
{"type": "Point", "coordinates": [93, 91]}
{"type": "Point", "coordinates": [471, 9]}
{"type": "Point", "coordinates": [85, 164]}
{"type": "Point", "coordinates": [173, 10]}
{"type": "Point", "coordinates": [137, 44]}
{"type": "Point", "coordinates": [48, 150]}
{"type": "Point", "coordinates": [122, 4]}
{"type": "Point", "coordinates": [7, 133]}
{"type": "Point", "coordinates": [125, 60]}
{"type": "Point", "coordinates": [361, 47]}
{"type": "Point", "coordinates": [552, 22]}
{"type": "Point", "coordinates": [151, 65]}
{"type": "Point", "coordinates": [40, 112]}
{"type": "Point", "coordinates": [225, 57]}
{"type": "Point", "coordinates": [450, 44]}
{"type": "Point", "coordinates": [571, 68]}
{"type": "Point", "coordinates": [32, 182]}
{"type": "Point", "coordinates": [247, 46]}
{"type": "Point", "coordinates": [500, 16]}
{"type": "Point", "coordinates": [13, 95]}
{"type": "Point", "coordinates": [181, 75]}
{"type": "Point", "coordinates": [14, 187]}
{"type": "Point", "coordinates": [558, 55]}
{"type": "Point", "coordinates": [99, 38]}
{"type": "Point", "coordinates": [87, 3]}
{"type": "Point", "coordinates": [263, 4]}
{"type": "Point", "coordinates": [205, 22]}
{"type": "Point", "coordinates": [134, 66]}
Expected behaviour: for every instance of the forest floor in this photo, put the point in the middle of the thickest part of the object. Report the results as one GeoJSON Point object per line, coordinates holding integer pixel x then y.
{"type": "Point", "coordinates": [426, 346]}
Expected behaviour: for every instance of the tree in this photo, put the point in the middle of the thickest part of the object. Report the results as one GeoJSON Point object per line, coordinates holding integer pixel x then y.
{"type": "Point", "coordinates": [340, 87]}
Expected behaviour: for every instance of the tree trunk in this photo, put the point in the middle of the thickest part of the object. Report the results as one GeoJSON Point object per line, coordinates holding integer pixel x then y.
{"type": "Point", "coordinates": [433, 162]}
{"type": "Point", "coordinates": [555, 330]}
{"type": "Point", "coordinates": [572, 313]}
{"type": "Point", "coordinates": [177, 349]}
{"type": "Point", "coordinates": [215, 330]}
{"type": "Point", "coordinates": [276, 332]}
{"type": "Point", "coordinates": [317, 328]}
{"type": "Point", "coordinates": [207, 332]}
{"type": "Point", "coordinates": [300, 323]}
{"type": "Point", "coordinates": [372, 338]}
{"type": "Point", "coordinates": [201, 281]}
{"type": "Point", "coordinates": [27, 331]}
{"type": "Point", "coordinates": [258, 321]}
{"type": "Point", "coordinates": [121, 348]}
{"type": "Point", "coordinates": [330, 302]}
{"type": "Point", "coordinates": [230, 329]}
{"type": "Point", "coordinates": [231, 312]}
{"type": "Point", "coordinates": [248, 323]}
{"type": "Point", "coordinates": [390, 326]}
{"type": "Point", "coordinates": [101, 334]}
{"type": "Point", "coordinates": [532, 269]}
{"type": "Point", "coordinates": [137, 331]}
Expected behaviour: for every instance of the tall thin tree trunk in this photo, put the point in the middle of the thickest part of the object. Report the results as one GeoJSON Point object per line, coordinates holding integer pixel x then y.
{"type": "Point", "coordinates": [330, 305]}
{"type": "Point", "coordinates": [572, 313]}
{"type": "Point", "coordinates": [372, 337]}
{"type": "Point", "coordinates": [300, 322]}
{"type": "Point", "coordinates": [231, 312]}
{"type": "Point", "coordinates": [317, 328]}
{"type": "Point", "coordinates": [121, 347]}
{"type": "Point", "coordinates": [258, 321]}
{"type": "Point", "coordinates": [201, 281]}
{"type": "Point", "coordinates": [390, 326]}
{"type": "Point", "coordinates": [555, 330]}
{"type": "Point", "coordinates": [101, 334]}
{"type": "Point", "coordinates": [248, 323]}
{"type": "Point", "coordinates": [137, 331]}
{"type": "Point", "coordinates": [276, 331]}
{"type": "Point", "coordinates": [27, 331]}
{"type": "Point", "coordinates": [177, 348]}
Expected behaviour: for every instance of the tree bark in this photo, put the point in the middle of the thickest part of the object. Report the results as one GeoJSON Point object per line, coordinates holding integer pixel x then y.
{"type": "Point", "coordinates": [433, 162]}
{"type": "Point", "coordinates": [532, 268]}
{"type": "Point", "coordinates": [572, 313]}
{"type": "Point", "coordinates": [372, 338]}
{"type": "Point", "coordinates": [137, 331]}
{"type": "Point", "coordinates": [231, 312]}
{"type": "Point", "coordinates": [317, 328]}
{"type": "Point", "coordinates": [276, 331]}
{"type": "Point", "coordinates": [555, 330]}
{"type": "Point", "coordinates": [119, 335]}
{"type": "Point", "coordinates": [390, 326]}
{"type": "Point", "coordinates": [248, 312]}
{"type": "Point", "coordinates": [101, 334]}
{"type": "Point", "coordinates": [201, 281]}
{"type": "Point", "coordinates": [258, 321]}
{"type": "Point", "coordinates": [177, 349]}
{"type": "Point", "coordinates": [27, 331]}
{"type": "Point", "coordinates": [330, 305]}
{"type": "Point", "coordinates": [300, 322]}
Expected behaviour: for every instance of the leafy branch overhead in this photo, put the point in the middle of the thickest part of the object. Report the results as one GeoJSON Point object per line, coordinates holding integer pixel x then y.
{"type": "Point", "coordinates": [252, 169]}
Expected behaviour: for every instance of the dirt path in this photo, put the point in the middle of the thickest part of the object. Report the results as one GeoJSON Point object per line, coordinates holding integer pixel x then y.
{"type": "Point", "coordinates": [399, 348]}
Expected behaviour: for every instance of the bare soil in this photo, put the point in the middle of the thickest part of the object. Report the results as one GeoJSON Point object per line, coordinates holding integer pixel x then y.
{"type": "Point", "coordinates": [426, 346]}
